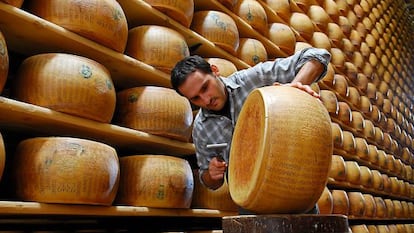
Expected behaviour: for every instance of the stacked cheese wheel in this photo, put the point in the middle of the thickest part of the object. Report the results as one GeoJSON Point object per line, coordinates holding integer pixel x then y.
{"type": "Point", "coordinates": [65, 170]}
{"type": "Point", "coordinates": [155, 181]}
{"type": "Point", "coordinates": [156, 110]}
{"type": "Point", "coordinates": [67, 83]}
{"type": "Point", "coordinates": [102, 21]}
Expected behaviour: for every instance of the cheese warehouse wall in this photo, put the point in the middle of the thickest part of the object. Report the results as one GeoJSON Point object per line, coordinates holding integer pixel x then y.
{"type": "Point", "coordinates": [94, 139]}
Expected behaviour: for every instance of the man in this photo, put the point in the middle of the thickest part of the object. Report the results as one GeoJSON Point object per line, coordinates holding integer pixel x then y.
{"type": "Point", "coordinates": [221, 99]}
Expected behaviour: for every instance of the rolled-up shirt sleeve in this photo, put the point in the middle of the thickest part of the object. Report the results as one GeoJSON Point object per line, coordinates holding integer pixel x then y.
{"type": "Point", "coordinates": [284, 70]}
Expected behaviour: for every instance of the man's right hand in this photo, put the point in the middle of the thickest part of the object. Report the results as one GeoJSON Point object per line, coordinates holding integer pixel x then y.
{"type": "Point", "coordinates": [214, 177]}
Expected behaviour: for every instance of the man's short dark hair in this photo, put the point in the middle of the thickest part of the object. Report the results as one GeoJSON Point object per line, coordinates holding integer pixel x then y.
{"type": "Point", "coordinates": [187, 66]}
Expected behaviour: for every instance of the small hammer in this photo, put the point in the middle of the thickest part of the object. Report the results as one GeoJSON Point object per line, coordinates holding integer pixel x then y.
{"type": "Point", "coordinates": [218, 146]}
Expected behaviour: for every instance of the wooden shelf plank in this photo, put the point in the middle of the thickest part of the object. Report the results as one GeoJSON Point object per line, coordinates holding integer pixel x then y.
{"type": "Point", "coordinates": [139, 12]}
{"type": "Point", "coordinates": [245, 30]}
{"type": "Point", "coordinates": [17, 115]}
{"type": "Point", "coordinates": [34, 208]}
{"type": "Point", "coordinates": [28, 34]}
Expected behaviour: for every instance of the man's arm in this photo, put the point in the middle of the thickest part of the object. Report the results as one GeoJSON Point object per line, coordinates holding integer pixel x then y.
{"type": "Point", "coordinates": [309, 72]}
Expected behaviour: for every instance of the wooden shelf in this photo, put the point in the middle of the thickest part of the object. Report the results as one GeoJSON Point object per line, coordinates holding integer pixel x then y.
{"type": "Point", "coordinates": [28, 34]}
{"type": "Point", "coordinates": [34, 208]}
{"type": "Point", "coordinates": [245, 30]}
{"type": "Point", "coordinates": [26, 117]}
{"type": "Point", "coordinates": [333, 184]}
{"type": "Point", "coordinates": [139, 12]}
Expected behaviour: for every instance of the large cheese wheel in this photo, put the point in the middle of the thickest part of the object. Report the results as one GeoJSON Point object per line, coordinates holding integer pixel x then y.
{"type": "Point", "coordinates": [251, 51]}
{"type": "Point", "coordinates": [356, 204]}
{"type": "Point", "coordinates": [321, 40]}
{"type": "Point", "coordinates": [337, 136]}
{"type": "Point", "coordinates": [366, 176]}
{"type": "Point", "coordinates": [182, 11]}
{"type": "Point", "coordinates": [280, 7]}
{"type": "Point", "coordinates": [155, 110]}
{"type": "Point", "coordinates": [102, 21]}
{"type": "Point", "coordinates": [67, 83]}
{"type": "Point", "coordinates": [340, 202]}
{"type": "Point", "coordinates": [158, 46]}
{"type": "Point", "coordinates": [218, 199]}
{"type": "Point", "coordinates": [353, 172]}
{"type": "Point", "coordinates": [218, 28]}
{"type": "Point", "coordinates": [155, 181]}
{"type": "Point", "coordinates": [331, 9]}
{"type": "Point", "coordinates": [65, 170]}
{"type": "Point", "coordinates": [16, 3]}
{"type": "Point", "coordinates": [4, 62]}
{"type": "Point", "coordinates": [272, 167]}
{"type": "Point", "coordinates": [377, 181]}
{"type": "Point", "coordinates": [302, 24]}
{"type": "Point", "coordinates": [319, 17]}
{"type": "Point", "coordinates": [338, 168]}
{"type": "Point", "coordinates": [253, 13]}
{"type": "Point", "coordinates": [2, 156]}
{"type": "Point", "coordinates": [325, 202]}
{"type": "Point", "coordinates": [225, 67]}
{"type": "Point", "coordinates": [335, 34]}
{"type": "Point", "coordinates": [282, 36]}
{"type": "Point", "coordinates": [370, 206]}
{"type": "Point", "coordinates": [381, 208]}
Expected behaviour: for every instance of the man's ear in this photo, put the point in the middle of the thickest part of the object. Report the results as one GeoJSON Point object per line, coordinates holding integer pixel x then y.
{"type": "Point", "coordinates": [215, 70]}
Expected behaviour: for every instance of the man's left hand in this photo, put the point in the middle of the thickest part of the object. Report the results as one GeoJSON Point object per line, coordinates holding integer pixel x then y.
{"type": "Point", "coordinates": [302, 87]}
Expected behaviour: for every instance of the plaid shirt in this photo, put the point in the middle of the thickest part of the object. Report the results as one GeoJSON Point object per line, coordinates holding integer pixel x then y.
{"type": "Point", "coordinates": [210, 128]}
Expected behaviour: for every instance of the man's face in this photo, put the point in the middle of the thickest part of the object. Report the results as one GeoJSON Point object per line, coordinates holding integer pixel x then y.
{"type": "Point", "coordinates": [204, 90]}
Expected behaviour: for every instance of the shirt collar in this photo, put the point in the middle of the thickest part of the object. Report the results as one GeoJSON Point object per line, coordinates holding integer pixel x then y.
{"type": "Point", "coordinates": [230, 86]}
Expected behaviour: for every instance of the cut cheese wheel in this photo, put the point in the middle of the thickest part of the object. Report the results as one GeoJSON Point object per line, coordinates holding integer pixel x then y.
{"type": "Point", "coordinates": [102, 21]}
{"type": "Point", "coordinates": [218, 28]}
{"type": "Point", "coordinates": [155, 181]}
{"type": "Point", "coordinates": [67, 83]}
{"type": "Point", "coordinates": [282, 177]}
{"type": "Point", "coordinates": [253, 13]}
{"type": "Point", "coordinates": [16, 3]}
{"type": "Point", "coordinates": [158, 46]}
{"type": "Point", "coordinates": [340, 202]}
{"type": "Point", "coordinates": [251, 51]}
{"type": "Point", "coordinates": [182, 11]}
{"type": "Point", "coordinates": [218, 199]}
{"type": "Point", "coordinates": [225, 67]}
{"type": "Point", "coordinates": [302, 24]}
{"type": "Point", "coordinates": [338, 168]}
{"type": "Point", "coordinates": [155, 110]}
{"type": "Point", "coordinates": [325, 202]}
{"type": "Point", "coordinates": [282, 36]}
{"type": "Point", "coordinates": [4, 62]}
{"type": "Point", "coordinates": [356, 204]}
{"type": "Point", "coordinates": [65, 170]}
